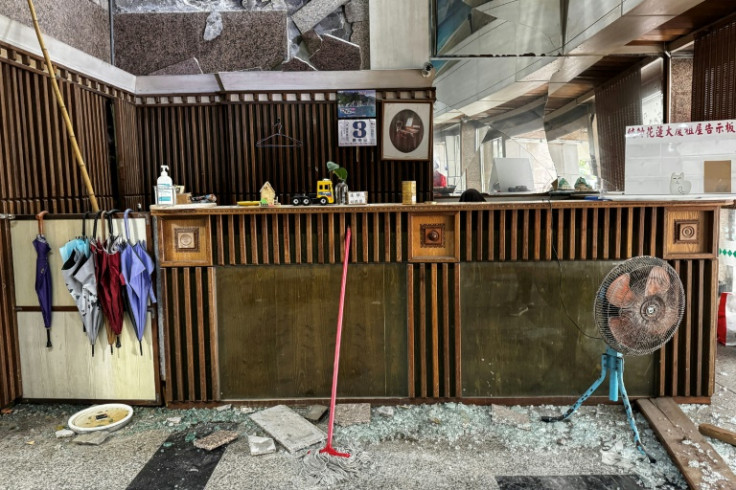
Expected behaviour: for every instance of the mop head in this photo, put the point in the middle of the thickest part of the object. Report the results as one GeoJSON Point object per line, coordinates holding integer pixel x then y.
{"type": "Point", "coordinates": [325, 469]}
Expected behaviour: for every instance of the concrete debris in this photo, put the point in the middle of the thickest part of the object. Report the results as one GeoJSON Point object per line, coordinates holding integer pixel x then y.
{"type": "Point", "coordinates": [173, 421]}
{"type": "Point", "coordinates": [286, 426]}
{"type": "Point", "coordinates": [216, 439]}
{"type": "Point", "coordinates": [313, 12]}
{"type": "Point", "coordinates": [63, 433]}
{"type": "Point", "coordinates": [213, 29]}
{"type": "Point", "coordinates": [92, 438]}
{"type": "Point", "coordinates": [247, 410]}
{"type": "Point", "coordinates": [222, 408]}
{"type": "Point", "coordinates": [336, 54]}
{"type": "Point", "coordinates": [387, 412]}
{"type": "Point", "coordinates": [504, 415]}
{"type": "Point", "coordinates": [261, 445]}
{"type": "Point", "coordinates": [356, 11]}
{"type": "Point", "coordinates": [352, 413]}
{"type": "Point", "coordinates": [315, 413]}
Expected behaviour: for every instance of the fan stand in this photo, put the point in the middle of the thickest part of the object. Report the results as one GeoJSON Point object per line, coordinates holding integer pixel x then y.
{"type": "Point", "coordinates": [613, 362]}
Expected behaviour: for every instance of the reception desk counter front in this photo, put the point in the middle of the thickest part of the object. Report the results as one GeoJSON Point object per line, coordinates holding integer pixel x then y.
{"type": "Point", "coordinates": [482, 302]}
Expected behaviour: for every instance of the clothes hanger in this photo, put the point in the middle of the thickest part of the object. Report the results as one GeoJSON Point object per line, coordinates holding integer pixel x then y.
{"type": "Point", "coordinates": [278, 139]}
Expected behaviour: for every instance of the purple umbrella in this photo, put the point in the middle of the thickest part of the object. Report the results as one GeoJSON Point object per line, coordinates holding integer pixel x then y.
{"type": "Point", "coordinates": [43, 276]}
{"type": "Point", "coordinates": [137, 267]}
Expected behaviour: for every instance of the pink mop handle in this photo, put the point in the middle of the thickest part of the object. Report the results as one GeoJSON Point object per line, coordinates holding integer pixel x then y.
{"type": "Point", "coordinates": [337, 340]}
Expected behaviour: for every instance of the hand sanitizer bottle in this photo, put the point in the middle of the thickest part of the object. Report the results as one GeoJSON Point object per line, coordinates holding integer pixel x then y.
{"type": "Point", "coordinates": [164, 188]}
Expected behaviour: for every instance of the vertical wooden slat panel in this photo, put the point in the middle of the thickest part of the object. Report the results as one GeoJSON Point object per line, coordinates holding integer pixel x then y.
{"type": "Point", "coordinates": [685, 375]}
{"type": "Point", "coordinates": [674, 346]}
{"type": "Point", "coordinates": [560, 213]}
{"type": "Point", "coordinates": [617, 234]}
{"type": "Point", "coordinates": [514, 234]}
{"type": "Point", "coordinates": [458, 334]}
{"type": "Point", "coordinates": [700, 332]}
{"type": "Point", "coordinates": [435, 332]}
{"type": "Point", "coordinates": [398, 217]}
{"type": "Point", "coordinates": [629, 232]}
{"type": "Point", "coordinates": [265, 255]}
{"type": "Point", "coordinates": [594, 238]}
{"type": "Point", "coordinates": [606, 234]}
{"type": "Point", "coordinates": [364, 235]}
{"type": "Point", "coordinates": [376, 237]}
{"type": "Point", "coordinates": [201, 339]}
{"type": "Point", "coordinates": [548, 235]}
{"type": "Point", "coordinates": [710, 341]}
{"type": "Point", "coordinates": [423, 330]}
{"type": "Point", "coordinates": [231, 240]}
{"type": "Point", "coordinates": [525, 235]}
{"type": "Point", "coordinates": [446, 352]}
{"type": "Point", "coordinates": [410, 329]}
{"type": "Point", "coordinates": [491, 236]}
{"type": "Point", "coordinates": [213, 341]}
{"type": "Point", "coordinates": [176, 307]}
{"type": "Point", "coordinates": [502, 236]}
{"type": "Point", "coordinates": [478, 231]}
{"type": "Point", "coordinates": [189, 346]}
{"type": "Point", "coordinates": [584, 230]}
{"type": "Point", "coordinates": [537, 234]}
{"type": "Point", "coordinates": [275, 240]}
{"type": "Point", "coordinates": [468, 235]}
{"type": "Point", "coordinates": [331, 239]}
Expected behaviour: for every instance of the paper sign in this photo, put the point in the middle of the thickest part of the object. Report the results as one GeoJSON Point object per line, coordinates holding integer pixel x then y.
{"type": "Point", "coordinates": [356, 132]}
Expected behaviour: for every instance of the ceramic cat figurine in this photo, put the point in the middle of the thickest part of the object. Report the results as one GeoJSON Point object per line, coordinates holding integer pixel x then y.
{"type": "Point", "coordinates": [678, 184]}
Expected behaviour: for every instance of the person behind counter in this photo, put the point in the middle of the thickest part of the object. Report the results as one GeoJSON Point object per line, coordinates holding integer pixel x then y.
{"type": "Point", "coordinates": [472, 195]}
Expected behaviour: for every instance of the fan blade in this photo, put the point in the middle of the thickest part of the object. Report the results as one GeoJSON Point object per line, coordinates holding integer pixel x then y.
{"type": "Point", "coordinates": [658, 281]}
{"type": "Point", "coordinates": [622, 330]}
{"type": "Point", "coordinates": [619, 293]}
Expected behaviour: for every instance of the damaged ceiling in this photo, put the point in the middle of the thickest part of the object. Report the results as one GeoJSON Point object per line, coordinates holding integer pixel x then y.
{"type": "Point", "coordinates": [502, 55]}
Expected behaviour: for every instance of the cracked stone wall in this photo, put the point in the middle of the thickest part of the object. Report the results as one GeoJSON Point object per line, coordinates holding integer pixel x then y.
{"type": "Point", "coordinates": [206, 36]}
{"type": "Point", "coordinates": [82, 24]}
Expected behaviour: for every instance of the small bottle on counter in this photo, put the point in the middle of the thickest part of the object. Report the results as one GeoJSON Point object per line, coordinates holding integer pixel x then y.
{"type": "Point", "coordinates": [165, 188]}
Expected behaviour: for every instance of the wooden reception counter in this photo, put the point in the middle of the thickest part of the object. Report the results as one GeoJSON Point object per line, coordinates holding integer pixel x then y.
{"type": "Point", "coordinates": [480, 302]}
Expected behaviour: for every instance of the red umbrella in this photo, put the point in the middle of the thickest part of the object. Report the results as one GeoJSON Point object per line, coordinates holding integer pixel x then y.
{"type": "Point", "coordinates": [110, 281]}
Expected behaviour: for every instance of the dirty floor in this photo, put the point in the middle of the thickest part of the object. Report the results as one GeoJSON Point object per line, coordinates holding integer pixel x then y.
{"type": "Point", "coordinates": [439, 446]}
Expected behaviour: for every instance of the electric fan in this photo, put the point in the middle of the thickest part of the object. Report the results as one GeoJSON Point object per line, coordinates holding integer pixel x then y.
{"type": "Point", "coordinates": [637, 309]}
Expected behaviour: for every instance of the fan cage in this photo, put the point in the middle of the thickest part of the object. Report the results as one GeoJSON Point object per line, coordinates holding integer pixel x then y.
{"type": "Point", "coordinates": [651, 304]}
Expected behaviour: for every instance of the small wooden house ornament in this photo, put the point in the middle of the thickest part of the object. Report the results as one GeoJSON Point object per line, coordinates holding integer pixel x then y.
{"type": "Point", "coordinates": [267, 194]}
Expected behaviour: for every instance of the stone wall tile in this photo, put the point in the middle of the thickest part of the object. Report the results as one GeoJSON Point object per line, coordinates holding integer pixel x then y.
{"type": "Point", "coordinates": [336, 55]}
{"type": "Point", "coordinates": [313, 12]}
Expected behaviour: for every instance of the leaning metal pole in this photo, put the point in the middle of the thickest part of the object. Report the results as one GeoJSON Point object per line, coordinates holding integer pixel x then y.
{"type": "Point", "coordinates": [64, 113]}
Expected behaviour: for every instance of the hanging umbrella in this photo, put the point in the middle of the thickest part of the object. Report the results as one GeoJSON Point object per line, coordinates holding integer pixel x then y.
{"type": "Point", "coordinates": [137, 267]}
{"type": "Point", "coordinates": [43, 276]}
{"type": "Point", "coordinates": [81, 281]}
{"type": "Point", "coordinates": [77, 244]}
{"type": "Point", "coordinates": [111, 282]}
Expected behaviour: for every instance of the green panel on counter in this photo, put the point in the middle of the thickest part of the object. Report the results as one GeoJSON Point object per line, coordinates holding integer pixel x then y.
{"type": "Point", "coordinates": [277, 328]}
{"type": "Point", "coordinates": [528, 330]}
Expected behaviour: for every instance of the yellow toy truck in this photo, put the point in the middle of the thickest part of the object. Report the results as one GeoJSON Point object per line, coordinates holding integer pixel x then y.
{"type": "Point", "coordinates": [323, 196]}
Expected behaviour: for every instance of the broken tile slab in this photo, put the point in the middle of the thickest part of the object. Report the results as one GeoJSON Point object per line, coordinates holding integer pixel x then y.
{"type": "Point", "coordinates": [216, 439]}
{"type": "Point", "coordinates": [334, 25]}
{"type": "Point", "coordinates": [145, 43]}
{"type": "Point", "coordinates": [92, 438]}
{"type": "Point", "coordinates": [173, 420]}
{"type": "Point", "coordinates": [60, 434]}
{"type": "Point", "coordinates": [352, 413]}
{"type": "Point", "coordinates": [297, 64]}
{"type": "Point", "coordinates": [505, 415]}
{"type": "Point", "coordinates": [387, 412]}
{"type": "Point", "coordinates": [336, 54]}
{"type": "Point", "coordinates": [186, 67]}
{"type": "Point", "coordinates": [315, 413]}
{"type": "Point", "coordinates": [313, 12]}
{"type": "Point", "coordinates": [261, 445]}
{"type": "Point", "coordinates": [312, 41]}
{"type": "Point", "coordinates": [247, 410]}
{"type": "Point", "coordinates": [222, 408]}
{"type": "Point", "coordinates": [362, 37]}
{"type": "Point", "coordinates": [356, 11]}
{"type": "Point", "coordinates": [286, 426]}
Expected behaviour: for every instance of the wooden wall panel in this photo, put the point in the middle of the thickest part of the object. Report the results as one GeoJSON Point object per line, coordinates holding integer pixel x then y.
{"type": "Point", "coordinates": [128, 160]}
{"type": "Point", "coordinates": [433, 331]}
{"type": "Point", "coordinates": [714, 73]}
{"type": "Point", "coordinates": [212, 147]}
{"type": "Point", "coordinates": [190, 337]}
{"type": "Point", "coordinates": [10, 375]}
{"type": "Point", "coordinates": [38, 170]}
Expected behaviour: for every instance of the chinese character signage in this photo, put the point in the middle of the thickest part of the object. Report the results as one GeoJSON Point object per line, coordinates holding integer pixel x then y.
{"type": "Point", "coordinates": [356, 132]}
{"type": "Point", "coordinates": [681, 158]}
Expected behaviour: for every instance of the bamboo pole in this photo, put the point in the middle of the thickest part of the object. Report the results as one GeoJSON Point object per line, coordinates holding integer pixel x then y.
{"type": "Point", "coordinates": [64, 113]}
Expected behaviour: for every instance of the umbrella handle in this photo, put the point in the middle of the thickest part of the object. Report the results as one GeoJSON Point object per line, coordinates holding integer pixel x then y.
{"type": "Point", "coordinates": [94, 230]}
{"type": "Point", "coordinates": [39, 217]}
{"type": "Point", "coordinates": [109, 220]}
{"type": "Point", "coordinates": [125, 220]}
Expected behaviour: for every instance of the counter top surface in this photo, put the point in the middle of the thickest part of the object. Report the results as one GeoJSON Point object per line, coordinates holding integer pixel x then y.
{"type": "Point", "coordinates": [495, 203]}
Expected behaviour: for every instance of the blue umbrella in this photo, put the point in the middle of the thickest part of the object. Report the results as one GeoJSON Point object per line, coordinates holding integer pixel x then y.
{"type": "Point", "coordinates": [137, 268]}
{"type": "Point", "coordinates": [43, 276]}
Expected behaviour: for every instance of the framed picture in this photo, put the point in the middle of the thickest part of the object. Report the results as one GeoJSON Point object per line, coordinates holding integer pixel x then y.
{"type": "Point", "coordinates": [406, 130]}
{"type": "Point", "coordinates": [356, 103]}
